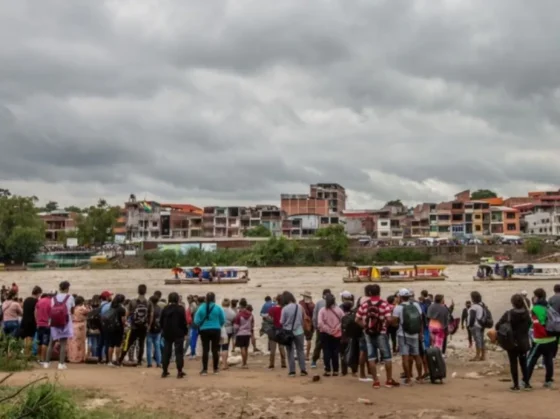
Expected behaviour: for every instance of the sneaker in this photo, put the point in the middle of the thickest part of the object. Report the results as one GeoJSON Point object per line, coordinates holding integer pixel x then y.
{"type": "Point", "coordinates": [45, 365]}
{"type": "Point", "coordinates": [164, 374]}
{"type": "Point", "coordinates": [514, 389]}
{"type": "Point", "coordinates": [313, 365]}
{"type": "Point", "coordinates": [303, 374]}
{"type": "Point", "coordinates": [326, 374]}
{"type": "Point", "coordinates": [292, 374]}
{"type": "Point", "coordinates": [548, 384]}
{"type": "Point", "coordinates": [527, 387]}
{"type": "Point", "coordinates": [216, 372]}
{"type": "Point", "coordinates": [391, 384]}
{"type": "Point", "coordinates": [270, 367]}
{"type": "Point", "coordinates": [62, 367]}
{"type": "Point", "coordinates": [366, 380]}
{"type": "Point", "coordinates": [376, 385]}
{"type": "Point", "coordinates": [181, 374]}
{"type": "Point", "coordinates": [111, 365]}
{"type": "Point", "coordinates": [204, 373]}
{"type": "Point", "coordinates": [148, 366]}
{"type": "Point", "coordinates": [335, 374]}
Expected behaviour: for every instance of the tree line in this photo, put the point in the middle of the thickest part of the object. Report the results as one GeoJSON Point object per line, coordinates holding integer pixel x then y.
{"type": "Point", "coordinates": [22, 231]}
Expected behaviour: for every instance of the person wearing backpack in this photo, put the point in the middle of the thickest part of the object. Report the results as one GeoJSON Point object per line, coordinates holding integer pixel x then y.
{"type": "Point", "coordinates": [479, 319]}
{"type": "Point", "coordinates": [513, 336]}
{"type": "Point", "coordinates": [113, 321]}
{"type": "Point", "coordinates": [93, 327]}
{"type": "Point", "coordinates": [62, 329]}
{"type": "Point", "coordinates": [408, 316]}
{"type": "Point", "coordinates": [153, 341]}
{"type": "Point", "coordinates": [141, 312]}
{"type": "Point", "coordinates": [374, 315]}
{"type": "Point", "coordinates": [543, 343]}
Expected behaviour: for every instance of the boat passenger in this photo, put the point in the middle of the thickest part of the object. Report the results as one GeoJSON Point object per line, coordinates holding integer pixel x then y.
{"type": "Point", "coordinates": [197, 272]}
{"type": "Point", "coordinates": [213, 274]}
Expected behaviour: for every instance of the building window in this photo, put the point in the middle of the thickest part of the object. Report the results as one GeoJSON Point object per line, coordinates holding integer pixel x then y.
{"type": "Point", "coordinates": [510, 215]}
{"type": "Point", "coordinates": [477, 228]}
{"type": "Point", "coordinates": [154, 223]}
{"type": "Point", "coordinates": [384, 234]}
{"type": "Point", "coordinates": [384, 223]}
{"type": "Point", "coordinates": [477, 216]}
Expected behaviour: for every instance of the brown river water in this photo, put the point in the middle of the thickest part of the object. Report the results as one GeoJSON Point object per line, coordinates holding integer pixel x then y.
{"type": "Point", "coordinates": [271, 281]}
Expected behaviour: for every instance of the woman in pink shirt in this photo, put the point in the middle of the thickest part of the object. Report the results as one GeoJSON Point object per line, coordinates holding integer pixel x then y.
{"type": "Point", "coordinates": [12, 311]}
{"type": "Point", "coordinates": [330, 329]}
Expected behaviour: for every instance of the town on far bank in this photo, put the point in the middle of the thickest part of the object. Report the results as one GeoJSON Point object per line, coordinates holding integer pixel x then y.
{"type": "Point", "coordinates": [480, 223]}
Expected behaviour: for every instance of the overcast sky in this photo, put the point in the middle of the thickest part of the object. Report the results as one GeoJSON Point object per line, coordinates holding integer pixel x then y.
{"type": "Point", "coordinates": [216, 102]}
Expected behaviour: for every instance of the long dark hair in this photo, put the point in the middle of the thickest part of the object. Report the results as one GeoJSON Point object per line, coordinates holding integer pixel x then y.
{"type": "Point", "coordinates": [288, 297]}
{"type": "Point", "coordinates": [330, 301]}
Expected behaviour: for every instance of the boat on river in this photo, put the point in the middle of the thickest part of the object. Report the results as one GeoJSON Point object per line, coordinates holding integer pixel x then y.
{"type": "Point", "coordinates": [205, 275]}
{"type": "Point", "coordinates": [396, 273]}
{"type": "Point", "coordinates": [501, 271]}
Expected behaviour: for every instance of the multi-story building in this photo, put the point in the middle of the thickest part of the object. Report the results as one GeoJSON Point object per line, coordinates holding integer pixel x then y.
{"type": "Point", "coordinates": [234, 221]}
{"type": "Point", "coordinates": [334, 193]}
{"type": "Point", "coordinates": [58, 224]}
{"type": "Point", "coordinates": [306, 225]}
{"type": "Point", "coordinates": [359, 222]}
{"type": "Point", "coordinates": [293, 204]}
{"type": "Point", "coordinates": [504, 221]}
{"type": "Point", "coordinates": [543, 223]}
{"type": "Point", "coordinates": [143, 220]}
{"type": "Point", "coordinates": [325, 199]}
{"type": "Point", "coordinates": [419, 220]}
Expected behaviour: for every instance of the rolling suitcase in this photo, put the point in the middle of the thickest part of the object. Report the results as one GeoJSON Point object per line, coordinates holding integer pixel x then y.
{"type": "Point", "coordinates": [436, 365]}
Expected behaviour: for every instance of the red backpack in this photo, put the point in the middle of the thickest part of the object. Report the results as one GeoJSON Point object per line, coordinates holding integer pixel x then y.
{"type": "Point", "coordinates": [374, 321]}
{"type": "Point", "coordinates": [59, 313]}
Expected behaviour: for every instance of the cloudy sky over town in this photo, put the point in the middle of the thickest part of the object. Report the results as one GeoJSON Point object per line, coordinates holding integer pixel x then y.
{"type": "Point", "coordinates": [237, 101]}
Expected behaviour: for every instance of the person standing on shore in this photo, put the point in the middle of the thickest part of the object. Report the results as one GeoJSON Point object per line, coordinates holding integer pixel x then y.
{"type": "Point", "coordinates": [209, 320]}
{"type": "Point", "coordinates": [28, 322]}
{"type": "Point", "coordinates": [292, 320]}
{"type": "Point", "coordinates": [62, 329]}
{"type": "Point", "coordinates": [330, 328]}
{"type": "Point", "coordinates": [174, 329]}
{"type": "Point", "coordinates": [317, 350]}
{"type": "Point", "coordinates": [308, 307]}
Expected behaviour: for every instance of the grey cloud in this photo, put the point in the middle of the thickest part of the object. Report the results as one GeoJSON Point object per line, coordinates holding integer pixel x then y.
{"type": "Point", "coordinates": [223, 101]}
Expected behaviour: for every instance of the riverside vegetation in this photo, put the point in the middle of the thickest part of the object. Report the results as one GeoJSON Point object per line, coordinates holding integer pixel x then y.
{"type": "Point", "coordinates": [329, 247]}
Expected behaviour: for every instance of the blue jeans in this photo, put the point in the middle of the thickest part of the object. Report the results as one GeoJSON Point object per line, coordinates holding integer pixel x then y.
{"type": "Point", "coordinates": [102, 348]}
{"type": "Point", "coordinates": [193, 340]}
{"type": "Point", "coordinates": [378, 344]}
{"type": "Point", "coordinates": [93, 344]}
{"type": "Point", "coordinates": [11, 328]}
{"type": "Point", "coordinates": [153, 344]}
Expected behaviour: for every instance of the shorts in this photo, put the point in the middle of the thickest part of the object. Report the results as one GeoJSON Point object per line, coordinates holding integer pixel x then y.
{"type": "Point", "coordinates": [421, 346]}
{"type": "Point", "coordinates": [43, 336]}
{"type": "Point", "coordinates": [378, 343]}
{"type": "Point", "coordinates": [27, 331]}
{"type": "Point", "coordinates": [409, 346]}
{"type": "Point", "coordinates": [309, 334]}
{"type": "Point", "coordinates": [242, 341]}
{"type": "Point", "coordinates": [478, 337]}
{"type": "Point", "coordinates": [114, 339]}
{"type": "Point", "coordinates": [225, 346]}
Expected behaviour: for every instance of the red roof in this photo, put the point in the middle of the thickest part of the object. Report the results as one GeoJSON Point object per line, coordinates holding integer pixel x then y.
{"type": "Point", "coordinates": [184, 207]}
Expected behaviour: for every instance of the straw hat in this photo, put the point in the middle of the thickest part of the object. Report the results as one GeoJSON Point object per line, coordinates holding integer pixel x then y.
{"type": "Point", "coordinates": [306, 294]}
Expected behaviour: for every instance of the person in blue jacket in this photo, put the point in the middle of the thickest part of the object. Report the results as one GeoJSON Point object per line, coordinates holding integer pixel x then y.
{"type": "Point", "coordinates": [209, 320]}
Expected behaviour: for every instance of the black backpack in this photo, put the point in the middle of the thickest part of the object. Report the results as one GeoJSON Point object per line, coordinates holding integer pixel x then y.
{"type": "Point", "coordinates": [140, 315]}
{"type": "Point", "coordinates": [93, 321]}
{"type": "Point", "coordinates": [505, 334]}
{"type": "Point", "coordinates": [110, 320]}
{"type": "Point", "coordinates": [350, 328]}
{"type": "Point", "coordinates": [156, 324]}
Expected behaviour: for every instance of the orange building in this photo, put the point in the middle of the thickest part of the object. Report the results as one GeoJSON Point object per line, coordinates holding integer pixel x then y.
{"type": "Point", "coordinates": [505, 221]}
{"type": "Point", "coordinates": [295, 204]}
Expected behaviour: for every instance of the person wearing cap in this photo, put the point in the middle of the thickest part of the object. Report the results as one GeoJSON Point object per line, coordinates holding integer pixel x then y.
{"type": "Point", "coordinates": [308, 329]}
{"type": "Point", "coordinates": [409, 343]}
{"type": "Point", "coordinates": [318, 346]}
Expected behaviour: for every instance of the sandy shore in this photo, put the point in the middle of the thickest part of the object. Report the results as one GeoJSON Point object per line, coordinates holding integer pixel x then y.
{"type": "Point", "coordinates": [263, 394]}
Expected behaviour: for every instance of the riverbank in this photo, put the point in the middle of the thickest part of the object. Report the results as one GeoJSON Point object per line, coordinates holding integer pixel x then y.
{"type": "Point", "coordinates": [471, 390]}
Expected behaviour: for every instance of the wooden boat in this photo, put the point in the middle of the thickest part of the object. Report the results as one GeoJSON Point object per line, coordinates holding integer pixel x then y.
{"type": "Point", "coordinates": [224, 275]}
{"type": "Point", "coordinates": [518, 272]}
{"type": "Point", "coordinates": [400, 273]}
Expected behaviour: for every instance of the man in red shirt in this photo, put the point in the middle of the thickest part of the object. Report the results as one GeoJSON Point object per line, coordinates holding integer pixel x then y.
{"type": "Point", "coordinates": [373, 315]}
{"type": "Point", "coordinates": [275, 313]}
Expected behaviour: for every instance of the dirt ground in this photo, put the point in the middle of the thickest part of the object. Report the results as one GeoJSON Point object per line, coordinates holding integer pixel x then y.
{"type": "Point", "coordinates": [471, 391]}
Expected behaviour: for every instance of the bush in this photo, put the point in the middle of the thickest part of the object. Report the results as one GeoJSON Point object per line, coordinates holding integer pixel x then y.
{"type": "Point", "coordinates": [533, 246]}
{"type": "Point", "coordinates": [402, 255]}
{"type": "Point", "coordinates": [11, 354]}
{"type": "Point", "coordinates": [43, 401]}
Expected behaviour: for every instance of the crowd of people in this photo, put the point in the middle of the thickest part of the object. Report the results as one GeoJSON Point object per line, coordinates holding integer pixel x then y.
{"type": "Point", "coordinates": [354, 335]}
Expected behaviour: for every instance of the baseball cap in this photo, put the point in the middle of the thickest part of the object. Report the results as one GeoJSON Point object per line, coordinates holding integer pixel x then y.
{"type": "Point", "coordinates": [346, 294]}
{"type": "Point", "coordinates": [106, 294]}
{"type": "Point", "coordinates": [524, 293]}
{"type": "Point", "coordinates": [404, 292]}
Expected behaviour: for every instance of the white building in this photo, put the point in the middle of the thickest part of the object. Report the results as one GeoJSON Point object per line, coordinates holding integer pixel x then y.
{"type": "Point", "coordinates": [543, 223]}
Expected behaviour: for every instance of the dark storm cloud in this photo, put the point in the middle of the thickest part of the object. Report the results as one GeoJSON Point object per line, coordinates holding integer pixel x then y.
{"type": "Point", "coordinates": [240, 101]}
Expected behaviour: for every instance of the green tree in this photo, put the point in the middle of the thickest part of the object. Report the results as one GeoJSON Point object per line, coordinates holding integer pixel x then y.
{"type": "Point", "coordinates": [395, 203]}
{"type": "Point", "coordinates": [533, 245]}
{"type": "Point", "coordinates": [5, 192]}
{"type": "Point", "coordinates": [20, 227]}
{"type": "Point", "coordinates": [51, 206]}
{"type": "Point", "coordinates": [334, 241]}
{"type": "Point", "coordinates": [258, 231]}
{"type": "Point", "coordinates": [483, 194]}
{"type": "Point", "coordinates": [95, 226]}
{"type": "Point", "coordinates": [24, 243]}
{"type": "Point", "coordinates": [73, 208]}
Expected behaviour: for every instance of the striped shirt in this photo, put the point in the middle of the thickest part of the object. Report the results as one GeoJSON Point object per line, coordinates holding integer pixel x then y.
{"type": "Point", "coordinates": [384, 308]}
